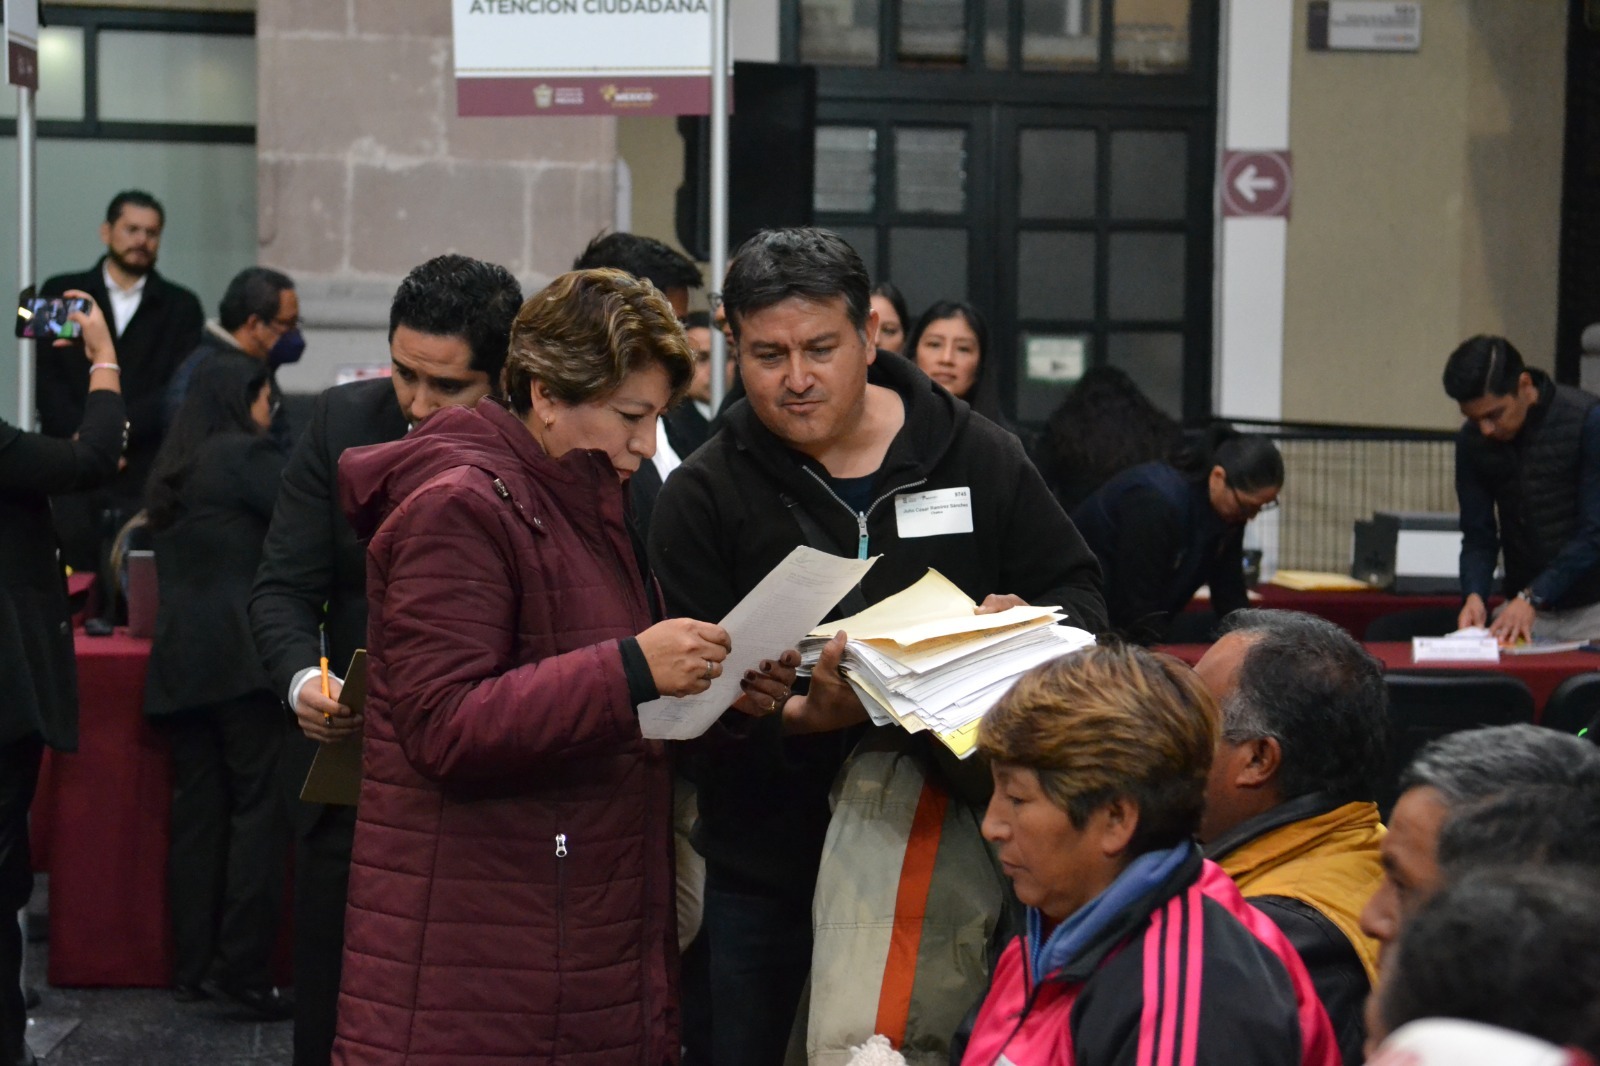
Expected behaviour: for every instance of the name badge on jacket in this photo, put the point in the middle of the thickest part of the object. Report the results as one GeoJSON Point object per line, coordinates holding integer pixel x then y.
{"type": "Point", "coordinates": [930, 514]}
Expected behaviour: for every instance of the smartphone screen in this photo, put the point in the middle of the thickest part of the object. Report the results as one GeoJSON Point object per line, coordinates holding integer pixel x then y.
{"type": "Point", "coordinates": [45, 317]}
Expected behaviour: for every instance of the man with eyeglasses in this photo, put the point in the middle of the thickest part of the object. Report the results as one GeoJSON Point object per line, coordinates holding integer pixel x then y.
{"type": "Point", "coordinates": [1160, 533]}
{"type": "Point", "coordinates": [1528, 481]}
{"type": "Point", "coordinates": [259, 318]}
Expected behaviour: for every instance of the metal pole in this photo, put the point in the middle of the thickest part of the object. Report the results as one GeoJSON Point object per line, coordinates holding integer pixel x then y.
{"type": "Point", "coordinates": [25, 222]}
{"type": "Point", "coordinates": [27, 190]}
{"type": "Point", "coordinates": [719, 187]}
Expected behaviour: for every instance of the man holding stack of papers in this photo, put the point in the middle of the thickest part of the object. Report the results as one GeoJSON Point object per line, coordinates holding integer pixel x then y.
{"type": "Point", "coordinates": [859, 457]}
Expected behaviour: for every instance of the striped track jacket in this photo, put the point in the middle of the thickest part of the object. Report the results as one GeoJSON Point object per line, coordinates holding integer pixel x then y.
{"type": "Point", "coordinates": [1191, 975]}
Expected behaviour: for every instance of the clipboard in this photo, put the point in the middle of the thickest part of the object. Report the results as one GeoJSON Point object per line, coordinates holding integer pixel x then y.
{"type": "Point", "coordinates": [335, 775]}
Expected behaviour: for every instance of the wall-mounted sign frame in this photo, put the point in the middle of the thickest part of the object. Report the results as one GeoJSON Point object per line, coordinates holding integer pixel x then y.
{"type": "Point", "coordinates": [1364, 26]}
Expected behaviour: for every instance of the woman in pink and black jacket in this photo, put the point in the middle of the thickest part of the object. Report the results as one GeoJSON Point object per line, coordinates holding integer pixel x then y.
{"type": "Point", "coordinates": [1138, 952]}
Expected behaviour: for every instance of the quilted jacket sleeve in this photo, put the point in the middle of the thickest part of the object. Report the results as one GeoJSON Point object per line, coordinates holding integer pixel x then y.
{"type": "Point", "coordinates": [463, 708]}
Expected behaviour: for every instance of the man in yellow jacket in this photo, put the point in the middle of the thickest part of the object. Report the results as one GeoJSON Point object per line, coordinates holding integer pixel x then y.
{"type": "Point", "coordinates": [1290, 811]}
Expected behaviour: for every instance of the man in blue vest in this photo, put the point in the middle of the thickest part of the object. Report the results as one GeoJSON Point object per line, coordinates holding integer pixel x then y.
{"type": "Point", "coordinates": [1528, 478]}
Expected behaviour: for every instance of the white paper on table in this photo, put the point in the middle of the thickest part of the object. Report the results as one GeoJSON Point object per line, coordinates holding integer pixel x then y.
{"type": "Point", "coordinates": [1455, 649]}
{"type": "Point", "coordinates": [783, 607]}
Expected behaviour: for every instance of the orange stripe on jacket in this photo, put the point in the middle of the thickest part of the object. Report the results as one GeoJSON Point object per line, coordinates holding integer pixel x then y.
{"type": "Point", "coordinates": [910, 907]}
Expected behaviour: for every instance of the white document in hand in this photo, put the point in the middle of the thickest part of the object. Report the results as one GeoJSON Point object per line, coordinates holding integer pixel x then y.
{"type": "Point", "coordinates": [786, 605]}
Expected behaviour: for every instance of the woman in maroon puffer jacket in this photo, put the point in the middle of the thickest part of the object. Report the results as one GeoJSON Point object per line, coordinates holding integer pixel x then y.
{"type": "Point", "coordinates": [511, 889]}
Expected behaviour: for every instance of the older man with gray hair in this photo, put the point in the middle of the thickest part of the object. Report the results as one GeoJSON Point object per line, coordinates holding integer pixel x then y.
{"type": "Point", "coordinates": [1290, 812]}
{"type": "Point", "coordinates": [1446, 776]}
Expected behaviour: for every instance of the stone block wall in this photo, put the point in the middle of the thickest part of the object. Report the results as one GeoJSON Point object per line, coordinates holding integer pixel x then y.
{"type": "Point", "coordinates": [365, 170]}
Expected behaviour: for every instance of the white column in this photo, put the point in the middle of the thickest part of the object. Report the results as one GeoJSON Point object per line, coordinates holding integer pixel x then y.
{"type": "Point", "coordinates": [1247, 371]}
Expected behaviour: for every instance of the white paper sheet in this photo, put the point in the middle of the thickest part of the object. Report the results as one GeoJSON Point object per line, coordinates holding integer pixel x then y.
{"type": "Point", "coordinates": [783, 607]}
{"type": "Point", "coordinates": [1455, 649]}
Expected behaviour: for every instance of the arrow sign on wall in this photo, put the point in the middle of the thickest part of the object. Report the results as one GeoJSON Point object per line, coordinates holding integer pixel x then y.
{"type": "Point", "coordinates": [1256, 184]}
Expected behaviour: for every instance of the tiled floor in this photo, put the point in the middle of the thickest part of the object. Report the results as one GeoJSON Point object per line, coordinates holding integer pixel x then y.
{"type": "Point", "coordinates": [145, 1027]}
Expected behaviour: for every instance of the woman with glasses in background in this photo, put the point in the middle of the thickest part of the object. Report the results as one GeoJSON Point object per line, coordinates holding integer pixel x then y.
{"type": "Point", "coordinates": [1160, 532]}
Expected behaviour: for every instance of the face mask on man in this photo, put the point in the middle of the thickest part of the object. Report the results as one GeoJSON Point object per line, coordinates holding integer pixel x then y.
{"type": "Point", "coordinates": [290, 347]}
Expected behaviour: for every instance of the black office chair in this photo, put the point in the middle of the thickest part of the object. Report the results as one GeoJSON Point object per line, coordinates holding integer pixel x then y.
{"type": "Point", "coordinates": [1425, 706]}
{"type": "Point", "coordinates": [1575, 706]}
{"type": "Point", "coordinates": [1417, 622]}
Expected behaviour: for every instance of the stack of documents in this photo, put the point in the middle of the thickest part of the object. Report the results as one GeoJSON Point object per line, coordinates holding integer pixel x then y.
{"type": "Point", "coordinates": [923, 659]}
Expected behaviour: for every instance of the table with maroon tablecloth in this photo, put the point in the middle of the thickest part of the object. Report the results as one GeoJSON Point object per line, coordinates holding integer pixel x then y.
{"type": "Point", "coordinates": [101, 829]}
{"type": "Point", "coordinates": [1541, 673]}
{"type": "Point", "coordinates": [1352, 611]}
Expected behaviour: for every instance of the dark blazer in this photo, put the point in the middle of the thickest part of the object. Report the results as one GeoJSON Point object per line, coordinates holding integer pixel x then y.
{"type": "Point", "coordinates": [687, 428]}
{"type": "Point", "coordinates": [36, 651]}
{"type": "Point", "coordinates": [164, 330]}
{"type": "Point", "coordinates": [313, 570]}
{"type": "Point", "coordinates": [206, 562]}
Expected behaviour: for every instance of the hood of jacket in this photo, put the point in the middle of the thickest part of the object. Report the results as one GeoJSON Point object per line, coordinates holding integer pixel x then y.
{"type": "Point", "coordinates": [220, 339]}
{"type": "Point", "coordinates": [1082, 932]}
{"type": "Point", "coordinates": [374, 480]}
{"type": "Point", "coordinates": [933, 420]}
{"type": "Point", "coordinates": [1317, 850]}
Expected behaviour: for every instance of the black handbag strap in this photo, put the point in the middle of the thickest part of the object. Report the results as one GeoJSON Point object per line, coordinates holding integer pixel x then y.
{"type": "Point", "coordinates": [854, 601]}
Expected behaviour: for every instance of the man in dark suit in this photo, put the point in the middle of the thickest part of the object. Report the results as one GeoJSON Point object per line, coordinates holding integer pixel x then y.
{"type": "Point", "coordinates": [688, 425]}
{"type": "Point", "coordinates": [449, 326]}
{"type": "Point", "coordinates": [674, 274]}
{"type": "Point", "coordinates": [157, 323]}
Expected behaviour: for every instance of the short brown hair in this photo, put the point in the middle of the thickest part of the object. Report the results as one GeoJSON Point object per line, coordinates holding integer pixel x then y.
{"type": "Point", "coordinates": [1112, 722]}
{"type": "Point", "coordinates": [586, 331]}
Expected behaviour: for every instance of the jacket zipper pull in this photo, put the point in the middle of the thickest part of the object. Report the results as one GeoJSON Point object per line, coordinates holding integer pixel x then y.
{"type": "Point", "coordinates": [561, 845]}
{"type": "Point", "coordinates": [861, 535]}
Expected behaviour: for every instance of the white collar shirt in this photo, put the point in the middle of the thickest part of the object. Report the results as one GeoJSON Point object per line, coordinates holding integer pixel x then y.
{"type": "Point", "coordinates": [124, 302]}
{"type": "Point", "coordinates": [665, 458]}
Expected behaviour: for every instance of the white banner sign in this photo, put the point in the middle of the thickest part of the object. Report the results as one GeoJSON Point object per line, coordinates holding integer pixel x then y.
{"type": "Point", "coordinates": [582, 57]}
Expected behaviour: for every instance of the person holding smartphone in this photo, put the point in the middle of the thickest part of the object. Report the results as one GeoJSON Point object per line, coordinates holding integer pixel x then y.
{"type": "Point", "coordinates": [36, 645]}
